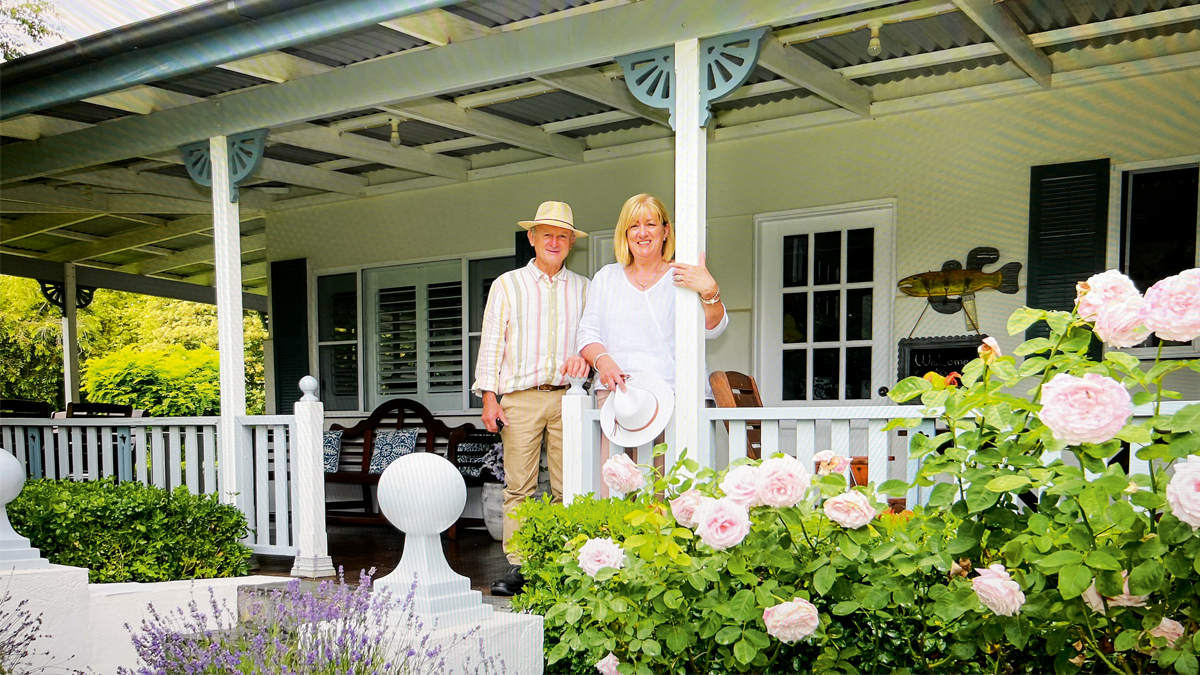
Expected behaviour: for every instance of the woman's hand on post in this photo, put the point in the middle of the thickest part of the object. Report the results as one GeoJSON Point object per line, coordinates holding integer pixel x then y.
{"type": "Point", "coordinates": [610, 373]}
{"type": "Point", "coordinates": [576, 366]}
{"type": "Point", "coordinates": [695, 277]}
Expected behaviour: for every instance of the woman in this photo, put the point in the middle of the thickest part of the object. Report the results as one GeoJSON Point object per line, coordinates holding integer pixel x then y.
{"type": "Point", "coordinates": [628, 323]}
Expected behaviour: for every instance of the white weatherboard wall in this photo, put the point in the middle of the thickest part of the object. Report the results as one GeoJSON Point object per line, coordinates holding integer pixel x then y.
{"type": "Point", "coordinates": [959, 174]}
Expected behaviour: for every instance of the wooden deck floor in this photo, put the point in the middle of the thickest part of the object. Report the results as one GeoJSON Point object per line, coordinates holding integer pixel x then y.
{"type": "Point", "coordinates": [358, 547]}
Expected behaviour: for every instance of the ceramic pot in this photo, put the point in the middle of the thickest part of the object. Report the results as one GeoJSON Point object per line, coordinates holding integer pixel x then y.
{"type": "Point", "coordinates": [493, 509]}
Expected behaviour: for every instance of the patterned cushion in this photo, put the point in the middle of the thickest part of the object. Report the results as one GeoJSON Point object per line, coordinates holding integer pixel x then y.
{"type": "Point", "coordinates": [390, 445]}
{"type": "Point", "coordinates": [472, 459]}
{"type": "Point", "coordinates": [333, 450]}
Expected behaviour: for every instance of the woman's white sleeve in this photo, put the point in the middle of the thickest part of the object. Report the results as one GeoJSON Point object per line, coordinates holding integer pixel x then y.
{"type": "Point", "coordinates": [715, 331]}
{"type": "Point", "coordinates": [589, 323]}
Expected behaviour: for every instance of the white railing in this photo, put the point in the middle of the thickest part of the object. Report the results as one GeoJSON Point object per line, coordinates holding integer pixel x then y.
{"type": "Point", "coordinates": [852, 431]}
{"type": "Point", "coordinates": [166, 452]}
{"type": "Point", "coordinates": [278, 484]}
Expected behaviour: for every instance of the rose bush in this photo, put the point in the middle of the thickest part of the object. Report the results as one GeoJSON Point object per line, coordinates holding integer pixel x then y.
{"type": "Point", "coordinates": [1034, 549]}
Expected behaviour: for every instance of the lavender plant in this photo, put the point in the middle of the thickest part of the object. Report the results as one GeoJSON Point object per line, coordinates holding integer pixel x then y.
{"type": "Point", "coordinates": [336, 629]}
{"type": "Point", "coordinates": [19, 631]}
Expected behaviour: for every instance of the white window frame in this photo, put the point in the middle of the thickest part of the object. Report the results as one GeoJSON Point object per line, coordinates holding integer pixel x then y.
{"type": "Point", "coordinates": [1116, 208]}
{"type": "Point", "coordinates": [464, 260]}
{"type": "Point", "coordinates": [768, 293]}
{"type": "Point", "coordinates": [315, 327]}
{"type": "Point", "coordinates": [600, 250]}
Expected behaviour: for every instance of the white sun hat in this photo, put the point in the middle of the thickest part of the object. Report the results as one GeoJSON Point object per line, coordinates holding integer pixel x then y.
{"type": "Point", "coordinates": [636, 416]}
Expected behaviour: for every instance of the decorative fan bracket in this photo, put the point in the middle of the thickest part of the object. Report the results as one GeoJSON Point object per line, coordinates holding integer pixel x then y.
{"type": "Point", "coordinates": [55, 292]}
{"type": "Point", "coordinates": [245, 156]}
{"type": "Point", "coordinates": [726, 62]}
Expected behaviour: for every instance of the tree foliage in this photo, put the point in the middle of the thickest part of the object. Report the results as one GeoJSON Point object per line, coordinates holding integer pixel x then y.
{"type": "Point", "coordinates": [165, 381]}
{"type": "Point", "coordinates": [25, 20]}
{"type": "Point", "coordinates": [31, 338]}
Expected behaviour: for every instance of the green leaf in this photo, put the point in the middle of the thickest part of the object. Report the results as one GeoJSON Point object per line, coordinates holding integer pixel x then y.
{"type": "Point", "coordinates": [675, 637]}
{"type": "Point", "coordinates": [1146, 578]}
{"type": "Point", "coordinates": [1147, 500]}
{"type": "Point", "coordinates": [961, 545]}
{"type": "Point", "coordinates": [651, 648]}
{"type": "Point", "coordinates": [1060, 559]}
{"type": "Point", "coordinates": [1126, 640]}
{"type": "Point", "coordinates": [909, 388]}
{"type": "Point", "coordinates": [1186, 419]}
{"type": "Point", "coordinates": [559, 651]}
{"type": "Point", "coordinates": [744, 652]}
{"type": "Point", "coordinates": [846, 607]}
{"type": "Point", "coordinates": [574, 614]}
{"type": "Point", "coordinates": [979, 499]}
{"type": "Point", "coordinates": [1121, 514]}
{"type": "Point", "coordinates": [884, 551]}
{"type": "Point", "coordinates": [1099, 560]}
{"type": "Point", "coordinates": [1073, 580]}
{"type": "Point", "coordinates": [823, 579]}
{"type": "Point", "coordinates": [743, 606]}
{"type": "Point", "coordinates": [1132, 433]}
{"type": "Point", "coordinates": [1033, 346]}
{"type": "Point", "coordinates": [1016, 630]}
{"type": "Point", "coordinates": [1128, 362]}
{"type": "Point", "coordinates": [942, 495]}
{"type": "Point", "coordinates": [1009, 483]}
{"type": "Point", "coordinates": [728, 634]}
{"type": "Point", "coordinates": [1186, 664]}
{"type": "Point", "coordinates": [1023, 318]}
{"type": "Point", "coordinates": [673, 598]}
{"type": "Point", "coordinates": [895, 488]}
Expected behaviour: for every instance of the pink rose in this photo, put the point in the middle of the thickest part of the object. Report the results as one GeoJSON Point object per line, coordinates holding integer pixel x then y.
{"type": "Point", "coordinates": [1122, 322]}
{"type": "Point", "coordinates": [851, 509]}
{"type": "Point", "coordinates": [608, 665]}
{"type": "Point", "coordinates": [722, 523]}
{"type": "Point", "coordinates": [1101, 289]}
{"type": "Point", "coordinates": [684, 506]}
{"type": "Point", "coordinates": [599, 553]}
{"type": "Point", "coordinates": [1091, 409]}
{"type": "Point", "coordinates": [998, 591]}
{"type": "Point", "coordinates": [828, 463]}
{"type": "Point", "coordinates": [782, 482]}
{"type": "Point", "coordinates": [1173, 307]}
{"type": "Point", "coordinates": [1170, 629]}
{"type": "Point", "coordinates": [621, 474]}
{"type": "Point", "coordinates": [1091, 597]}
{"type": "Point", "coordinates": [989, 351]}
{"type": "Point", "coordinates": [1183, 492]}
{"type": "Point", "coordinates": [741, 485]}
{"type": "Point", "coordinates": [791, 621]}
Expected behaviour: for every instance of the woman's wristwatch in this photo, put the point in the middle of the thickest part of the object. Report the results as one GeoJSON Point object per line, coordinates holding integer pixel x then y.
{"type": "Point", "coordinates": [714, 299]}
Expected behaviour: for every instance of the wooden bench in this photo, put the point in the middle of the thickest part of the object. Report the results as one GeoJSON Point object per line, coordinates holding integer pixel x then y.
{"type": "Point", "coordinates": [358, 443]}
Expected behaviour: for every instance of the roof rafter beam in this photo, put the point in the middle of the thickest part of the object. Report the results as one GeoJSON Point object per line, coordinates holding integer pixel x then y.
{"type": "Point", "coordinates": [594, 85]}
{"type": "Point", "coordinates": [316, 137]}
{"type": "Point", "coordinates": [438, 27]}
{"type": "Point", "coordinates": [1008, 36]}
{"type": "Point", "coordinates": [134, 239]}
{"type": "Point", "coordinates": [417, 74]}
{"type": "Point", "coordinates": [851, 22]}
{"type": "Point", "coordinates": [157, 184]}
{"type": "Point", "coordinates": [803, 70]}
{"type": "Point", "coordinates": [486, 125]}
{"type": "Point", "coordinates": [192, 256]}
{"type": "Point", "coordinates": [27, 227]}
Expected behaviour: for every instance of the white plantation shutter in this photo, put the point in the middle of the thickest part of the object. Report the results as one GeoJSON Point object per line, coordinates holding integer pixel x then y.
{"type": "Point", "coordinates": [415, 349]}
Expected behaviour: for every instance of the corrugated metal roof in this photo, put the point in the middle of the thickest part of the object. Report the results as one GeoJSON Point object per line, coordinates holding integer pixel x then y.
{"type": "Point", "coordinates": [487, 87]}
{"type": "Point", "coordinates": [82, 111]}
{"type": "Point", "coordinates": [492, 13]}
{"type": "Point", "coordinates": [1037, 16]}
{"type": "Point", "coordinates": [478, 150]}
{"type": "Point", "coordinates": [605, 128]}
{"type": "Point", "coordinates": [210, 82]}
{"type": "Point", "coordinates": [297, 155]}
{"type": "Point", "coordinates": [105, 227]}
{"type": "Point", "coordinates": [360, 45]}
{"type": "Point", "coordinates": [554, 106]}
{"type": "Point", "coordinates": [721, 106]}
{"type": "Point", "coordinates": [413, 133]}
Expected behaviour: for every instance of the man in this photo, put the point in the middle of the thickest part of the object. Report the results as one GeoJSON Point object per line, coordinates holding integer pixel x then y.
{"type": "Point", "coordinates": [527, 349]}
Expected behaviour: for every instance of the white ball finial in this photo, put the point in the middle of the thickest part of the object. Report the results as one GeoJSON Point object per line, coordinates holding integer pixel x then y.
{"type": "Point", "coordinates": [12, 478]}
{"type": "Point", "coordinates": [308, 385]}
{"type": "Point", "coordinates": [422, 493]}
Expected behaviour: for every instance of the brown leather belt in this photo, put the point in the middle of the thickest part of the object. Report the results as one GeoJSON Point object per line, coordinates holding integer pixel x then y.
{"type": "Point", "coordinates": [550, 387]}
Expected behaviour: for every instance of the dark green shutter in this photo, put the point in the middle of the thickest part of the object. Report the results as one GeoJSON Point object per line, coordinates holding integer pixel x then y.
{"type": "Point", "coordinates": [289, 330]}
{"type": "Point", "coordinates": [1068, 232]}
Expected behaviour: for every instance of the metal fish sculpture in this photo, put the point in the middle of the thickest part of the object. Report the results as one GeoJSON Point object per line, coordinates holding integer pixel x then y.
{"type": "Point", "coordinates": [951, 287]}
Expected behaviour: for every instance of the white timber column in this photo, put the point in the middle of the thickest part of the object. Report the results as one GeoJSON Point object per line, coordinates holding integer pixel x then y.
{"type": "Point", "coordinates": [227, 258]}
{"type": "Point", "coordinates": [691, 158]}
{"type": "Point", "coordinates": [70, 331]}
{"type": "Point", "coordinates": [308, 470]}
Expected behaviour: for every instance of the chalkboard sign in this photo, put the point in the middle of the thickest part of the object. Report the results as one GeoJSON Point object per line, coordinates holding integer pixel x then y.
{"type": "Point", "coordinates": [941, 355]}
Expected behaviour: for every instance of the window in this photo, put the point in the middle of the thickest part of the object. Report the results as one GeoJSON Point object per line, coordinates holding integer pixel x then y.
{"type": "Point", "coordinates": [337, 340]}
{"type": "Point", "coordinates": [1160, 232]}
{"type": "Point", "coordinates": [407, 324]}
{"type": "Point", "coordinates": [824, 305]}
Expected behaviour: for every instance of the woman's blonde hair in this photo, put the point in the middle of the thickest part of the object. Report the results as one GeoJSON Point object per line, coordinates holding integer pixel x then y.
{"type": "Point", "coordinates": [635, 206]}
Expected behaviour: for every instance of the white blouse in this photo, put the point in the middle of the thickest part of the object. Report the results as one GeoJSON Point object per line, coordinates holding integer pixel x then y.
{"type": "Point", "coordinates": [637, 328]}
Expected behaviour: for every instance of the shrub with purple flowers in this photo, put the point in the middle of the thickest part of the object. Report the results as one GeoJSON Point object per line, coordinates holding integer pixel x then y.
{"type": "Point", "coordinates": [338, 629]}
{"type": "Point", "coordinates": [19, 633]}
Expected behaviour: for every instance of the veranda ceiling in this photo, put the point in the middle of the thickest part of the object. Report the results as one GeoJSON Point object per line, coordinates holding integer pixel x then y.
{"type": "Point", "coordinates": [98, 182]}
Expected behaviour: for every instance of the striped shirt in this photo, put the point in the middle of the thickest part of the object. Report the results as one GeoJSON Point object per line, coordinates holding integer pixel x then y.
{"type": "Point", "coordinates": [529, 329]}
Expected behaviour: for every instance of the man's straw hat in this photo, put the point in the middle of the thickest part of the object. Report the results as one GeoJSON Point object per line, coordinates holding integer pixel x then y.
{"type": "Point", "coordinates": [554, 214]}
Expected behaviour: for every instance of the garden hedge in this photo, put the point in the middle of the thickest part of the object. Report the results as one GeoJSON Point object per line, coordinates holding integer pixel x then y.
{"type": "Point", "coordinates": [130, 531]}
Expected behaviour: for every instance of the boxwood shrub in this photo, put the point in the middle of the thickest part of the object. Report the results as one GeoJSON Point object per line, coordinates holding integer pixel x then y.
{"type": "Point", "coordinates": [130, 531]}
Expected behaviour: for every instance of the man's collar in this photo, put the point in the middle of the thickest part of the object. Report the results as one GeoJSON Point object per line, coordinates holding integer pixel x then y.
{"type": "Point", "coordinates": [539, 275]}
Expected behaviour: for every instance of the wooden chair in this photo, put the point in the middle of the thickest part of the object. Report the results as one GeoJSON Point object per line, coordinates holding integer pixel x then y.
{"type": "Point", "coordinates": [15, 407]}
{"type": "Point", "coordinates": [732, 389]}
{"type": "Point", "coordinates": [358, 443]}
{"type": "Point", "coordinates": [99, 410]}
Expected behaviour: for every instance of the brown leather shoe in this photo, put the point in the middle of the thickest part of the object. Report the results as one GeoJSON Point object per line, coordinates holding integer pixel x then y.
{"type": "Point", "coordinates": [510, 584]}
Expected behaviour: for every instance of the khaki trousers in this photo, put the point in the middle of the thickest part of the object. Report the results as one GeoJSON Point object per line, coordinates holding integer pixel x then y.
{"type": "Point", "coordinates": [534, 417]}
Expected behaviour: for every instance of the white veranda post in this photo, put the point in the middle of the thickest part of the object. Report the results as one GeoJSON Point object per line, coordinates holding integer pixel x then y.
{"type": "Point", "coordinates": [227, 257]}
{"type": "Point", "coordinates": [70, 335]}
{"type": "Point", "coordinates": [690, 241]}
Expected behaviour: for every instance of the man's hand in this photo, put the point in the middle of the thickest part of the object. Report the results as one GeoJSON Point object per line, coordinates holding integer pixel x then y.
{"type": "Point", "coordinates": [576, 366]}
{"type": "Point", "coordinates": [492, 413]}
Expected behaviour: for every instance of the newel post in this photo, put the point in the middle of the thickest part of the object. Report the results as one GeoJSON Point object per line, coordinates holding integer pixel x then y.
{"type": "Point", "coordinates": [577, 452]}
{"type": "Point", "coordinates": [312, 544]}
